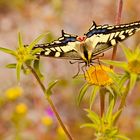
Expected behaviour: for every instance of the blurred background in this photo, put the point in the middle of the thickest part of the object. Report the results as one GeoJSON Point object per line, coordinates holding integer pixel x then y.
{"type": "Point", "coordinates": [24, 111]}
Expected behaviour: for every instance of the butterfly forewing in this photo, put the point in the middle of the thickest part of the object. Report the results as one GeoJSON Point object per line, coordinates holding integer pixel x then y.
{"type": "Point", "coordinates": [64, 47]}
{"type": "Point", "coordinates": [104, 37]}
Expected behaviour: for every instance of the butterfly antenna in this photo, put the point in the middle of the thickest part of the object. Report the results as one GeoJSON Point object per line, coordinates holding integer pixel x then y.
{"type": "Point", "coordinates": [62, 32]}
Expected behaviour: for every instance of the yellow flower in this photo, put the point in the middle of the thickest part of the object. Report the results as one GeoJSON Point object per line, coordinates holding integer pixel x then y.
{"type": "Point", "coordinates": [14, 92]}
{"type": "Point", "coordinates": [134, 66]}
{"type": "Point", "coordinates": [21, 109]}
{"type": "Point", "coordinates": [98, 75]}
{"type": "Point", "coordinates": [60, 131]}
{"type": "Point", "coordinates": [46, 120]}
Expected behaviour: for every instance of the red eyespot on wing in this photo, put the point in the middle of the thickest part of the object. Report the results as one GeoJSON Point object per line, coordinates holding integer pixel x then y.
{"type": "Point", "coordinates": [81, 38]}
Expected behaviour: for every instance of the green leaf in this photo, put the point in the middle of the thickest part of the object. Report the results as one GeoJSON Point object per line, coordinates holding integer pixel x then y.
{"type": "Point", "coordinates": [116, 115]}
{"type": "Point", "coordinates": [113, 132]}
{"type": "Point", "coordinates": [124, 78]}
{"type": "Point", "coordinates": [110, 111]}
{"type": "Point", "coordinates": [119, 64]}
{"type": "Point", "coordinates": [121, 137]}
{"type": "Point", "coordinates": [20, 42]}
{"type": "Point", "coordinates": [30, 47]}
{"type": "Point", "coordinates": [11, 66]}
{"type": "Point", "coordinates": [50, 86]}
{"type": "Point", "coordinates": [31, 57]}
{"type": "Point", "coordinates": [37, 50]}
{"type": "Point", "coordinates": [93, 95]}
{"type": "Point", "coordinates": [37, 69]}
{"type": "Point", "coordinates": [8, 51]}
{"type": "Point", "coordinates": [93, 117]}
{"type": "Point", "coordinates": [127, 52]}
{"type": "Point", "coordinates": [82, 93]}
{"type": "Point", "coordinates": [110, 90]}
{"type": "Point", "coordinates": [133, 78]}
{"type": "Point", "coordinates": [18, 69]}
{"type": "Point", "coordinates": [89, 125]}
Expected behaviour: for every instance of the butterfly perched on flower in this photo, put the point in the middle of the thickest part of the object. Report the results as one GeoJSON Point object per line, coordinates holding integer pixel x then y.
{"type": "Point", "coordinates": [86, 48]}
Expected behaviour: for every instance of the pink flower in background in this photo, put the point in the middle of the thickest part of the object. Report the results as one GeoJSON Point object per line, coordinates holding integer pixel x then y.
{"type": "Point", "coordinates": [49, 112]}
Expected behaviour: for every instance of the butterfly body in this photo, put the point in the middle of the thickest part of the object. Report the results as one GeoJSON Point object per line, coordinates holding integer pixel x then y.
{"type": "Point", "coordinates": [85, 48]}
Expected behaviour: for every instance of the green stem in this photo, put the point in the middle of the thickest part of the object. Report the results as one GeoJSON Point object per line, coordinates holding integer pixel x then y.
{"type": "Point", "coordinates": [118, 19]}
{"type": "Point", "coordinates": [50, 102]}
{"type": "Point", "coordinates": [123, 100]}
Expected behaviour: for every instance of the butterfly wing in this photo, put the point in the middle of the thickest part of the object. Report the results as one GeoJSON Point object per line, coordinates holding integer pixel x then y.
{"type": "Point", "coordinates": [104, 37]}
{"type": "Point", "coordinates": [64, 47]}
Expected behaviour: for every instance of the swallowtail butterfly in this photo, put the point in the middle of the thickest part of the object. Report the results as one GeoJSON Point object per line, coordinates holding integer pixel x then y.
{"type": "Point", "coordinates": [86, 48]}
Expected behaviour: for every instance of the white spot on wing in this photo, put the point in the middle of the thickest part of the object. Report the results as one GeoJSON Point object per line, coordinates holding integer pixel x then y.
{"type": "Point", "coordinates": [131, 30]}
{"type": "Point", "coordinates": [121, 33]}
{"type": "Point", "coordinates": [57, 42]}
{"type": "Point", "coordinates": [116, 34]}
{"type": "Point", "coordinates": [126, 31]}
{"type": "Point", "coordinates": [113, 42]}
{"type": "Point", "coordinates": [53, 49]}
{"type": "Point", "coordinates": [127, 25]}
{"type": "Point", "coordinates": [61, 38]}
{"type": "Point", "coordinates": [57, 54]}
{"type": "Point", "coordinates": [131, 33]}
{"type": "Point", "coordinates": [122, 36]}
{"type": "Point", "coordinates": [98, 27]}
{"type": "Point", "coordinates": [136, 23]}
{"type": "Point", "coordinates": [92, 27]}
{"type": "Point", "coordinates": [47, 49]}
{"type": "Point", "coordinates": [47, 52]}
{"type": "Point", "coordinates": [58, 49]}
{"type": "Point", "coordinates": [66, 35]}
{"type": "Point", "coordinates": [111, 36]}
{"type": "Point", "coordinates": [104, 26]}
{"type": "Point", "coordinates": [110, 27]}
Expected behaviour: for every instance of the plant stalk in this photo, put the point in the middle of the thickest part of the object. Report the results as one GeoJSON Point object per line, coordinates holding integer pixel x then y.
{"type": "Point", "coordinates": [102, 101]}
{"type": "Point", "coordinates": [117, 21]}
{"type": "Point", "coordinates": [50, 102]}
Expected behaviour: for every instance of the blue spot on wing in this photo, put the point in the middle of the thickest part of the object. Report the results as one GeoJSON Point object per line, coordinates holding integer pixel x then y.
{"type": "Point", "coordinates": [96, 31]}
{"type": "Point", "coordinates": [69, 39]}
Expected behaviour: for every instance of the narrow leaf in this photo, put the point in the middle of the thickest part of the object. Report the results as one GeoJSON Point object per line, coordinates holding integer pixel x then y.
{"type": "Point", "coordinates": [8, 51]}
{"type": "Point", "coordinates": [121, 137]}
{"type": "Point", "coordinates": [11, 66]}
{"type": "Point", "coordinates": [93, 117]}
{"type": "Point", "coordinates": [18, 70]}
{"type": "Point", "coordinates": [20, 42]}
{"type": "Point", "coordinates": [133, 78]}
{"type": "Point", "coordinates": [93, 95]}
{"type": "Point", "coordinates": [90, 125]}
{"type": "Point", "coordinates": [37, 69]}
{"type": "Point", "coordinates": [30, 47]}
{"type": "Point", "coordinates": [127, 51]}
{"type": "Point", "coordinates": [109, 113]}
{"type": "Point", "coordinates": [116, 115]}
{"type": "Point", "coordinates": [50, 86]}
{"type": "Point", "coordinates": [124, 78]}
{"type": "Point", "coordinates": [119, 64]}
{"type": "Point", "coordinates": [82, 93]}
{"type": "Point", "coordinates": [37, 50]}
